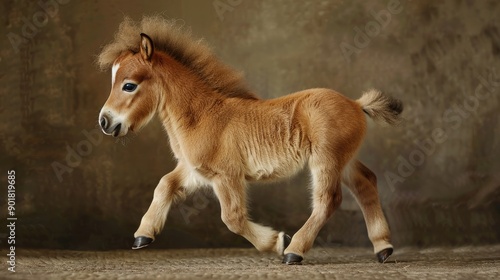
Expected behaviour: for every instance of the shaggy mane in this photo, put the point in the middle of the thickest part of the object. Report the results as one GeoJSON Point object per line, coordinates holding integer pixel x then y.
{"type": "Point", "coordinates": [177, 42]}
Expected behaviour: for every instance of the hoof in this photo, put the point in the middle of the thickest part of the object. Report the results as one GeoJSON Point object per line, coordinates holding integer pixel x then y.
{"type": "Point", "coordinates": [286, 241]}
{"type": "Point", "coordinates": [292, 259]}
{"type": "Point", "coordinates": [141, 242]}
{"type": "Point", "coordinates": [383, 255]}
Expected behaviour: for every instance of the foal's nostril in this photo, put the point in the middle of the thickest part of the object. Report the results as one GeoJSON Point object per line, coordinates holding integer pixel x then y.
{"type": "Point", "coordinates": [117, 130]}
{"type": "Point", "coordinates": [104, 122]}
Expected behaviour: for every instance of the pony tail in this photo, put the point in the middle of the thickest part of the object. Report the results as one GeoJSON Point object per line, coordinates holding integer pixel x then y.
{"type": "Point", "coordinates": [380, 107]}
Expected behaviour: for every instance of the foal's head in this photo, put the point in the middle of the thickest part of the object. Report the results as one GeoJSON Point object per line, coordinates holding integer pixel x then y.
{"type": "Point", "coordinates": [133, 99]}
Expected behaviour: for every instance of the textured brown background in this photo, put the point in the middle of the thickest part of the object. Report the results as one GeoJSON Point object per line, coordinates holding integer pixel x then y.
{"type": "Point", "coordinates": [430, 55]}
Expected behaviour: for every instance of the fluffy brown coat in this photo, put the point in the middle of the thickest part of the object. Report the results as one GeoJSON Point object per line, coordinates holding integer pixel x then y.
{"type": "Point", "coordinates": [223, 135]}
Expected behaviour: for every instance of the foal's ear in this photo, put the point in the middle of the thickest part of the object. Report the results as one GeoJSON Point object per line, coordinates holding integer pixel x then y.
{"type": "Point", "coordinates": [147, 47]}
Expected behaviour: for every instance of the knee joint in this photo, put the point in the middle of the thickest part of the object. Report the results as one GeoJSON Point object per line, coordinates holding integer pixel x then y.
{"type": "Point", "coordinates": [234, 222]}
{"type": "Point", "coordinates": [168, 187]}
{"type": "Point", "coordinates": [369, 175]}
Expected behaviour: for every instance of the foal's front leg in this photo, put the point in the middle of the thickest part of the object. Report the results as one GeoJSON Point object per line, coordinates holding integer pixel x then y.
{"type": "Point", "coordinates": [232, 197]}
{"type": "Point", "coordinates": [153, 221]}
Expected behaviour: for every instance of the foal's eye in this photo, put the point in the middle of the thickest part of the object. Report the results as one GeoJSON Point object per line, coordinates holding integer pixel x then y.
{"type": "Point", "coordinates": [129, 87]}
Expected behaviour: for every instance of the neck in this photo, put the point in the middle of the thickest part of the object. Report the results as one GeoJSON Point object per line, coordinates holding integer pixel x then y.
{"type": "Point", "coordinates": [185, 98]}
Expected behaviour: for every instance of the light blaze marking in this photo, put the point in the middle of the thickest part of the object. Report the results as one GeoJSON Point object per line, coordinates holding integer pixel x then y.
{"type": "Point", "coordinates": [113, 73]}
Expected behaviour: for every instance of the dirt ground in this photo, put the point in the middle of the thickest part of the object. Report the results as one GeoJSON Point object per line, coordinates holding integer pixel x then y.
{"type": "Point", "coordinates": [330, 263]}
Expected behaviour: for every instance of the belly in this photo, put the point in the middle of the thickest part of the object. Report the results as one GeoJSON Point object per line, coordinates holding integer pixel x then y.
{"type": "Point", "coordinates": [263, 172]}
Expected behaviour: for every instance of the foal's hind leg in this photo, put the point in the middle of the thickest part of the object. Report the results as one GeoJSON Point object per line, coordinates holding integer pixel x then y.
{"type": "Point", "coordinates": [362, 182]}
{"type": "Point", "coordinates": [232, 197]}
{"type": "Point", "coordinates": [153, 221]}
{"type": "Point", "coordinates": [327, 196]}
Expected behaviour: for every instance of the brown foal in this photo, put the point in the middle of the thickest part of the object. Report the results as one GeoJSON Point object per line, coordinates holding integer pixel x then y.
{"type": "Point", "coordinates": [223, 136]}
